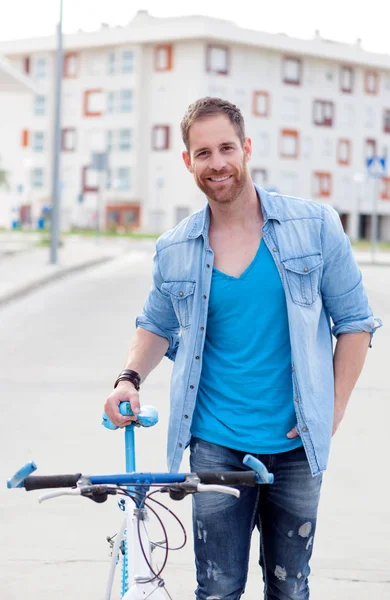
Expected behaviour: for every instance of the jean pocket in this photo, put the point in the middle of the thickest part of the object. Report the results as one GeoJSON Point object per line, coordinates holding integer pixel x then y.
{"type": "Point", "coordinates": [181, 294]}
{"type": "Point", "coordinates": [303, 277]}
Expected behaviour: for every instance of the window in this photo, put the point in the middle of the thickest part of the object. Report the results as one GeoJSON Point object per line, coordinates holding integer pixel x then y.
{"type": "Point", "coordinates": [111, 102]}
{"type": "Point", "coordinates": [290, 109]}
{"type": "Point", "coordinates": [71, 65]}
{"type": "Point", "coordinates": [261, 104]}
{"type": "Point", "coordinates": [292, 70]}
{"type": "Point", "coordinates": [94, 64]}
{"type": "Point", "coordinates": [327, 146]}
{"type": "Point", "coordinates": [344, 152]}
{"type": "Point", "coordinates": [110, 142]}
{"type": "Point", "coordinates": [40, 105]}
{"type": "Point", "coordinates": [40, 68]}
{"type": "Point", "coordinates": [259, 177]}
{"type": "Point", "coordinates": [217, 59]}
{"type": "Point", "coordinates": [289, 143]}
{"type": "Point", "coordinates": [111, 63]}
{"type": "Point", "coordinates": [182, 212]}
{"type": "Point", "coordinates": [68, 139]}
{"type": "Point", "coordinates": [96, 140]}
{"type": "Point", "coordinates": [347, 116]}
{"type": "Point", "coordinates": [370, 148]}
{"type": "Point", "coordinates": [346, 80]}
{"type": "Point", "coordinates": [369, 117]}
{"type": "Point", "coordinates": [37, 178]}
{"type": "Point", "coordinates": [93, 103]}
{"type": "Point", "coordinates": [371, 82]}
{"type": "Point", "coordinates": [163, 57]}
{"type": "Point", "coordinates": [386, 120]}
{"type": "Point", "coordinates": [124, 140]}
{"type": "Point", "coordinates": [323, 113]}
{"type": "Point", "coordinates": [322, 183]}
{"type": "Point", "coordinates": [89, 180]}
{"type": "Point", "coordinates": [126, 100]}
{"type": "Point", "coordinates": [124, 178]}
{"type": "Point", "coordinates": [160, 137]}
{"type": "Point", "coordinates": [263, 144]}
{"type": "Point", "coordinates": [38, 141]}
{"type": "Point", "coordinates": [307, 147]}
{"type": "Point", "coordinates": [127, 61]}
{"type": "Point", "coordinates": [26, 65]}
{"type": "Point", "coordinates": [124, 216]}
{"type": "Point", "coordinates": [385, 192]}
{"type": "Point", "coordinates": [25, 138]}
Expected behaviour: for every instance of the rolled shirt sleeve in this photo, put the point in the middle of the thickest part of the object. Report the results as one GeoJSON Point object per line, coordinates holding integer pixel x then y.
{"type": "Point", "coordinates": [158, 315]}
{"type": "Point", "coordinates": [343, 293]}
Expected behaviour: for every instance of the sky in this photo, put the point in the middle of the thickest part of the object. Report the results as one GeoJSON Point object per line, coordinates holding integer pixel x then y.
{"type": "Point", "coordinates": [341, 20]}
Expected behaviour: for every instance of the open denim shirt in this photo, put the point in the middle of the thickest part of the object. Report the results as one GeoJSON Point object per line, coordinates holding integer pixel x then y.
{"type": "Point", "coordinates": [321, 281]}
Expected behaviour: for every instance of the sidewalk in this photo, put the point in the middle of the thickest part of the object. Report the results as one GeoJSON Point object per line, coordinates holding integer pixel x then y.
{"type": "Point", "coordinates": [24, 266]}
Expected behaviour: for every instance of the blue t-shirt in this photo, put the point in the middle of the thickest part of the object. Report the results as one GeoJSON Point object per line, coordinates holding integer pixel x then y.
{"type": "Point", "coordinates": [245, 397]}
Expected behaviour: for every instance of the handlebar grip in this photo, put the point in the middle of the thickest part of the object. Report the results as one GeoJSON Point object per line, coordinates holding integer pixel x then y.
{"type": "Point", "coordinates": [228, 477]}
{"type": "Point", "coordinates": [147, 417]}
{"type": "Point", "coordinates": [41, 482]}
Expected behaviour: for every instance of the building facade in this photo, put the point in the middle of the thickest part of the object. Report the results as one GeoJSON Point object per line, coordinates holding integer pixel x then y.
{"type": "Point", "coordinates": [315, 110]}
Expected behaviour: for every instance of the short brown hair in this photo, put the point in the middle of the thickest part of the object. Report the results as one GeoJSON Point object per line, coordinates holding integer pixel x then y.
{"type": "Point", "coordinates": [206, 107]}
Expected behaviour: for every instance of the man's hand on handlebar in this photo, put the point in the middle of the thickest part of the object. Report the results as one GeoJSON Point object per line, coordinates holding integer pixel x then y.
{"type": "Point", "coordinates": [124, 392]}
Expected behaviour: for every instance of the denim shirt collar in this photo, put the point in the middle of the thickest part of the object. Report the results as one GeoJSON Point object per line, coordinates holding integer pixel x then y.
{"type": "Point", "coordinates": [201, 221]}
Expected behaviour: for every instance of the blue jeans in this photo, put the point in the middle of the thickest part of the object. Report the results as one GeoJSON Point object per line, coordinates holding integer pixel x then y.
{"type": "Point", "coordinates": [284, 512]}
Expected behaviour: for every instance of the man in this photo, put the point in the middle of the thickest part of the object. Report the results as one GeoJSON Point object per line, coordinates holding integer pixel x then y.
{"type": "Point", "coordinates": [242, 296]}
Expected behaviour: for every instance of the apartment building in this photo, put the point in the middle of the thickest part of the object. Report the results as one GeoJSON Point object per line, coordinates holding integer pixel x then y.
{"type": "Point", "coordinates": [16, 90]}
{"type": "Point", "coordinates": [315, 110]}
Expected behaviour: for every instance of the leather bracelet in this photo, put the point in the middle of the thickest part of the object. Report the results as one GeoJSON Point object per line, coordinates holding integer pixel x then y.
{"type": "Point", "coordinates": [129, 375]}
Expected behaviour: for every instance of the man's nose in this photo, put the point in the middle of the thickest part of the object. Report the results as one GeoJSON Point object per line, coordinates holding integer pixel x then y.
{"type": "Point", "coordinates": [217, 161]}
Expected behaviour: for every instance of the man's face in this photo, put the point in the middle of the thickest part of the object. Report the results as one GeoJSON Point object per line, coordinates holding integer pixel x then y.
{"type": "Point", "coordinates": [217, 159]}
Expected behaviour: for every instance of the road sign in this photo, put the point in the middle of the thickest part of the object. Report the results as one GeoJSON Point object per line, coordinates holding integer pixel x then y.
{"type": "Point", "coordinates": [376, 166]}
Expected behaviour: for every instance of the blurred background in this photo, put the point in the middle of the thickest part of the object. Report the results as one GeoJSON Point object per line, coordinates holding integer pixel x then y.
{"type": "Point", "coordinates": [90, 166]}
{"type": "Point", "coordinates": [313, 84]}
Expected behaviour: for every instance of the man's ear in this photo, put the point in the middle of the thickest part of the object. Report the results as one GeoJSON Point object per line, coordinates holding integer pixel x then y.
{"type": "Point", "coordinates": [248, 148]}
{"type": "Point", "coordinates": [187, 161]}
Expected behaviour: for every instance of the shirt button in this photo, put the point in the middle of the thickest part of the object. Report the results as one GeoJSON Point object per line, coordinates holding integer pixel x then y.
{"type": "Point", "coordinates": [191, 387]}
{"type": "Point", "coordinates": [181, 294]}
{"type": "Point", "coordinates": [205, 297]}
{"type": "Point", "coordinates": [296, 399]}
{"type": "Point", "coordinates": [305, 269]}
{"type": "Point", "coordinates": [186, 416]}
{"type": "Point", "coordinates": [208, 266]}
{"type": "Point", "coordinates": [180, 445]}
{"type": "Point", "coordinates": [304, 429]}
{"type": "Point", "coordinates": [197, 357]}
{"type": "Point", "coordinates": [274, 249]}
{"type": "Point", "coordinates": [202, 328]}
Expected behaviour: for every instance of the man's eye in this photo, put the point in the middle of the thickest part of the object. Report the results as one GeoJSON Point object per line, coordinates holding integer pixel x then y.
{"type": "Point", "coordinates": [227, 148]}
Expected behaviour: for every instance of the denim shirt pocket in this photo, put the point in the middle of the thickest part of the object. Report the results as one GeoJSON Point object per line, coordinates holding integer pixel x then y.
{"type": "Point", "coordinates": [303, 277]}
{"type": "Point", "coordinates": [181, 294]}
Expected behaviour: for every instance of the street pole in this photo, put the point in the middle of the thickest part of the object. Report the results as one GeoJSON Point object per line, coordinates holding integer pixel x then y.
{"type": "Point", "coordinates": [374, 219]}
{"type": "Point", "coordinates": [55, 206]}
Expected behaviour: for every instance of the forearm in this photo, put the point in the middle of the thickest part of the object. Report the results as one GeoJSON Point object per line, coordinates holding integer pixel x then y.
{"type": "Point", "coordinates": [146, 351]}
{"type": "Point", "coordinates": [349, 356]}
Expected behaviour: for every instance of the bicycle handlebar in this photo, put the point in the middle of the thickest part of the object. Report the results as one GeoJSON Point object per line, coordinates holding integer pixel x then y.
{"type": "Point", "coordinates": [147, 417]}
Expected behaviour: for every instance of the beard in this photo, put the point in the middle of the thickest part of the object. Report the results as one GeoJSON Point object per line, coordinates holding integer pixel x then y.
{"type": "Point", "coordinates": [227, 192]}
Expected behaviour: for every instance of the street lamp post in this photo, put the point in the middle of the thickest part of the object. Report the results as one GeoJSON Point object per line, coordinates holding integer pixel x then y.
{"type": "Point", "coordinates": [55, 206]}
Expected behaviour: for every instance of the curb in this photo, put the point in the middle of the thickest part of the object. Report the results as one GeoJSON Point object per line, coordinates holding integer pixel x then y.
{"type": "Point", "coordinates": [24, 290]}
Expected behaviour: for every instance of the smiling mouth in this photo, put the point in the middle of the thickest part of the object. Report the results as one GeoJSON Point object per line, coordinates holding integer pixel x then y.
{"type": "Point", "coordinates": [219, 179]}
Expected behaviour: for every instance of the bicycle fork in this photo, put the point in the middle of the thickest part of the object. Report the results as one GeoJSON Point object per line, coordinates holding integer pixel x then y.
{"type": "Point", "coordinates": [142, 584]}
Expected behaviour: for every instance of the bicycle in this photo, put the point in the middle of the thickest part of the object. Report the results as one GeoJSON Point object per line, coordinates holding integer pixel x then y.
{"type": "Point", "coordinates": [131, 545]}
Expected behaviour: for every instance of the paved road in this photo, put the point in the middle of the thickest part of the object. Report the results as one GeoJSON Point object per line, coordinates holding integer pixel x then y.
{"type": "Point", "coordinates": [61, 348]}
